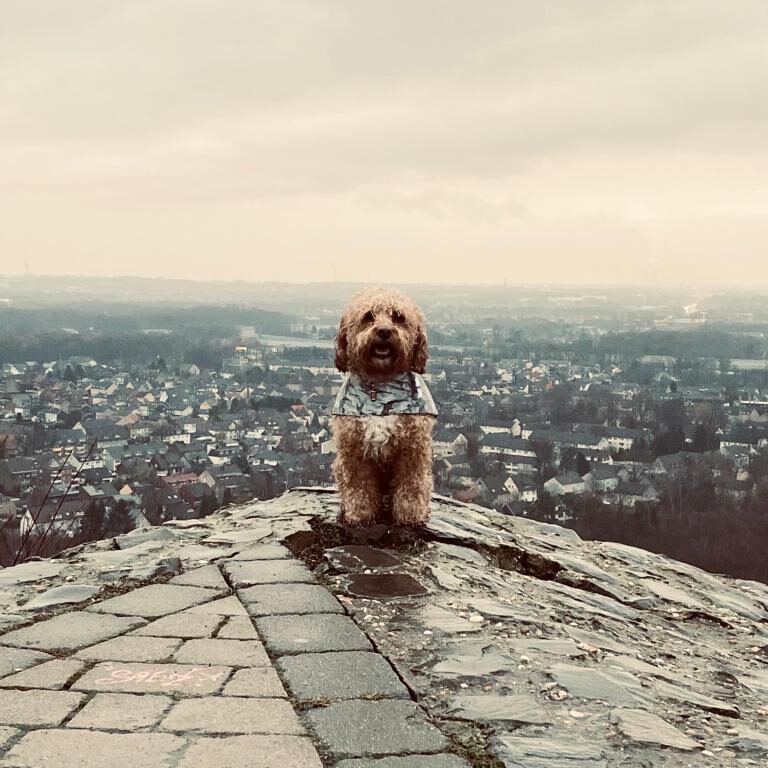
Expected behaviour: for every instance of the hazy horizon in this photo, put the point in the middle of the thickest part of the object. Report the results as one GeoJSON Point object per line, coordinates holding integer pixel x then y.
{"type": "Point", "coordinates": [596, 143]}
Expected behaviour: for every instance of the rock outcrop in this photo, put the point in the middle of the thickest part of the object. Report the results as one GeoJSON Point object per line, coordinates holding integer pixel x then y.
{"type": "Point", "coordinates": [525, 645]}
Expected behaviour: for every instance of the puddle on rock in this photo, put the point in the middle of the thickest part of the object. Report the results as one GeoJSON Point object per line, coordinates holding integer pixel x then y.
{"type": "Point", "coordinates": [385, 585]}
{"type": "Point", "coordinates": [358, 557]}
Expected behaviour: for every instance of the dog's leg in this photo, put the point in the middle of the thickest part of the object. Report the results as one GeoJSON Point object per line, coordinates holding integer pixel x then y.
{"type": "Point", "coordinates": [412, 475]}
{"type": "Point", "coordinates": [360, 491]}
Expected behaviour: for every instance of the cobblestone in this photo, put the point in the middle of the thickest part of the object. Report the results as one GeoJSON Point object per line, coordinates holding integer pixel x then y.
{"type": "Point", "coordinates": [129, 648]}
{"type": "Point", "coordinates": [252, 752]}
{"type": "Point", "coordinates": [238, 628]}
{"type": "Point", "coordinates": [256, 682]}
{"type": "Point", "coordinates": [412, 761]}
{"type": "Point", "coordinates": [179, 679]}
{"type": "Point", "coordinates": [312, 633]}
{"type": "Point", "coordinates": [7, 735]}
{"type": "Point", "coordinates": [183, 625]}
{"type": "Point", "coordinates": [37, 708]}
{"type": "Point", "coordinates": [222, 714]}
{"type": "Point", "coordinates": [225, 606]}
{"type": "Point", "coordinates": [53, 675]}
{"type": "Point", "coordinates": [208, 576]}
{"type": "Point", "coordinates": [121, 712]}
{"type": "Point", "coordinates": [70, 748]}
{"type": "Point", "coordinates": [69, 631]}
{"type": "Point", "coordinates": [155, 600]}
{"type": "Point", "coordinates": [380, 728]}
{"type": "Point", "coordinates": [245, 574]}
{"type": "Point", "coordinates": [16, 659]}
{"type": "Point", "coordinates": [349, 675]}
{"type": "Point", "coordinates": [231, 653]}
{"type": "Point", "coordinates": [276, 599]}
{"type": "Point", "coordinates": [264, 552]}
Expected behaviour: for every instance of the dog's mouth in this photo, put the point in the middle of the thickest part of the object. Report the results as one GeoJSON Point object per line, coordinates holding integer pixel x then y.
{"type": "Point", "coordinates": [382, 351]}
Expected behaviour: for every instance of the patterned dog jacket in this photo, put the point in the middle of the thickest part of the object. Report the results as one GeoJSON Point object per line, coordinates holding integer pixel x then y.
{"type": "Point", "coordinates": [403, 393]}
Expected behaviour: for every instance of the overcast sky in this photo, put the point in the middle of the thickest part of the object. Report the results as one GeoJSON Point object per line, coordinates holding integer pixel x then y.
{"type": "Point", "coordinates": [474, 141]}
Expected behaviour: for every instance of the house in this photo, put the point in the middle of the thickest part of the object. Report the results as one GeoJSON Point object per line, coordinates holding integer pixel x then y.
{"type": "Point", "coordinates": [19, 473]}
{"type": "Point", "coordinates": [504, 445]}
{"type": "Point", "coordinates": [521, 488]}
{"type": "Point", "coordinates": [449, 442]}
{"type": "Point", "coordinates": [569, 482]}
{"type": "Point", "coordinates": [601, 478]}
{"type": "Point", "coordinates": [628, 494]}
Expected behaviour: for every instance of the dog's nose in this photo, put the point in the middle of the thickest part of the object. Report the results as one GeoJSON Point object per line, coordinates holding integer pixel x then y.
{"type": "Point", "coordinates": [383, 333]}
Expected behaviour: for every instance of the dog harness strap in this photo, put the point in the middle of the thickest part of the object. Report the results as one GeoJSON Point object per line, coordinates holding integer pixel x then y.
{"type": "Point", "coordinates": [404, 393]}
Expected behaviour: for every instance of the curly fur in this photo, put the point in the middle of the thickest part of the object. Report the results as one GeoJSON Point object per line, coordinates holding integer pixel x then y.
{"type": "Point", "coordinates": [383, 455]}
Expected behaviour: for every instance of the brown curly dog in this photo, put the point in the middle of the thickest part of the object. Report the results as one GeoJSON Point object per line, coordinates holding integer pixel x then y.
{"type": "Point", "coordinates": [384, 414]}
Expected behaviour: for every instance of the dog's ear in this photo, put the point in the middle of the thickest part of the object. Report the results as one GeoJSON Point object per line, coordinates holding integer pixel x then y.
{"type": "Point", "coordinates": [420, 353]}
{"type": "Point", "coordinates": [340, 360]}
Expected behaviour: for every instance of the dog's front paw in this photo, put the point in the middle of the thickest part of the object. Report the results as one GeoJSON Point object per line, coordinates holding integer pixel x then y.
{"type": "Point", "coordinates": [356, 518]}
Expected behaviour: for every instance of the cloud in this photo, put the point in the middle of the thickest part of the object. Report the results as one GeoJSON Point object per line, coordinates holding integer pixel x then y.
{"type": "Point", "coordinates": [486, 121]}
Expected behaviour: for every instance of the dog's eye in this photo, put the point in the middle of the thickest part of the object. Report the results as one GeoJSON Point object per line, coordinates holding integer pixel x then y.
{"type": "Point", "coordinates": [368, 317]}
{"type": "Point", "coordinates": [398, 317]}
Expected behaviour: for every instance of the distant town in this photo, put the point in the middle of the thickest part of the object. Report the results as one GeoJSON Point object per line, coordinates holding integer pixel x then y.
{"type": "Point", "coordinates": [638, 419]}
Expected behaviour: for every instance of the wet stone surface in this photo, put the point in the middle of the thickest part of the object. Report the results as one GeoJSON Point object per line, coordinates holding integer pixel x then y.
{"type": "Point", "coordinates": [529, 647]}
{"type": "Point", "coordinates": [524, 710]}
{"type": "Point", "coordinates": [311, 634]}
{"type": "Point", "coordinates": [638, 725]}
{"type": "Point", "coordinates": [70, 593]}
{"type": "Point", "coordinates": [179, 679]}
{"type": "Point", "coordinates": [70, 631]}
{"type": "Point", "coordinates": [380, 728]}
{"type": "Point", "coordinates": [359, 557]}
{"type": "Point", "coordinates": [526, 752]}
{"type": "Point", "coordinates": [385, 585]}
{"type": "Point", "coordinates": [272, 599]}
{"type": "Point", "coordinates": [348, 675]}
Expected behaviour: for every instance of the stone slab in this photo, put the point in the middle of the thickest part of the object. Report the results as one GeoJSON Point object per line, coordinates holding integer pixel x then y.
{"type": "Point", "coordinates": [380, 728]}
{"type": "Point", "coordinates": [586, 683]}
{"type": "Point", "coordinates": [94, 749]}
{"type": "Point", "coordinates": [258, 682]}
{"type": "Point", "coordinates": [183, 625]}
{"type": "Point", "coordinates": [264, 552]}
{"type": "Point", "coordinates": [348, 675]}
{"type": "Point", "coordinates": [238, 628]}
{"type": "Point", "coordinates": [412, 761]}
{"type": "Point", "coordinates": [25, 573]}
{"type": "Point", "coordinates": [176, 679]}
{"type": "Point", "coordinates": [273, 599]}
{"type": "Point", "coordinates": [67, 593]}
{"type": "Point", "coordinates": [546, 752]}
{"type": "Point", "coordinates": [645, 727]}
{"type": "Point", "coordinates": [223, 715]}
{"type": "Point", "coordinates": [252, 752]}
{"type": "Point", "coordinates": [121, 712]}
{"type": "Point", "coordinates": [521, 709]}
{"type": "Point", "coordinates": [14, 660]}
{"type": "Point", "coordinates": [311, 633]}
{"type": "Point", "coordinates": [226, 606]}
{"type": "Point", "coordinates": [155, 600]}
{"type": "Point", "coordinates": [53, 675]}
{"type": "Point", "coordinates": [248, 573]}
{"type": "Point", "coordinates": [208, 576]}
{"type": "Point", "coordinates": [37, 708]}
{"type": "Point", "coordinates": [70, 631]}
{"type": "Point", "coordinates": [230, 653]}
{"type": "Point", "coordinates": [131, 648]}
{"type": "Point", "coordinates": [7, 735]}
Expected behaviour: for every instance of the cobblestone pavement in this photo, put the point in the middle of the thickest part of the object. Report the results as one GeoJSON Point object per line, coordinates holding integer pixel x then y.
{"type": "Point", "coordinates": [478, 640]}
{"type": "Point", "coordinates": [248, 664]}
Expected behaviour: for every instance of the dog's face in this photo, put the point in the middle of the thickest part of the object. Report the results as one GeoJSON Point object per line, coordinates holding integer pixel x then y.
{"type": "Point", "coordinates": [382, 333]}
